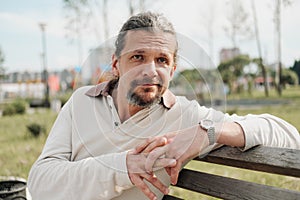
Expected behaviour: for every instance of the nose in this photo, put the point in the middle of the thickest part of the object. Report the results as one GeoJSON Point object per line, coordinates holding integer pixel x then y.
{"type": "Point", "coordinates": [150, 69]}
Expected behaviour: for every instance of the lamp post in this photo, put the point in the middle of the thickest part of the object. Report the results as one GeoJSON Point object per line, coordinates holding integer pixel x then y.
{"type": "Point", "coordinates": [45, 72]}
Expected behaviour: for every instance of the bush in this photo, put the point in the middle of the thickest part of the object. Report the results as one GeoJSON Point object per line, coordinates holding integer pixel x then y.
{"type": "Point", "coordinates": [16, 107]}
{"type": "Point", "coordinates": [36, 129]}
{"type": "Point", "coordinates": [8, 110]}
{"type": "Point", "coordinates": [20, 106]}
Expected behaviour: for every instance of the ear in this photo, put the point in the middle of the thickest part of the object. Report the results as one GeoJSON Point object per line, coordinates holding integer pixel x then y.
{"type": "Point", "coordinates": [115, 65]}
{"type": "Point", "coordinates": [172, 71]}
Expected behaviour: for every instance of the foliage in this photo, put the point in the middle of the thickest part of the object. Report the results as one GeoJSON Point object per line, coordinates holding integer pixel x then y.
{"type": "Point", "coordinates": [189, 75]}
{"type": "Point", "coordinates": [36, 129]}
{"type": "Point", "coordinates": [232, 69]}
{"type": "Point", "coordinates": [1, 57]}
{"type": "Point", "coordinates": [2, 69]}
{"type": "Point", "coordinates": [296, 68]}
{"type": "Point", "coordinates": [16, 107]}
{"type": "Point", "coordinates": [20, 106]}
{"type": "Point", "coordinates": [234, 66]}
{"type": "Point", "coordinates": [64, 97]}
{"type": "Point", "coordinates": [289, 77]}
{"type": "Point", "coordinates": [18, 151]}
{"type": "Point", "coordinates": [8, 110]}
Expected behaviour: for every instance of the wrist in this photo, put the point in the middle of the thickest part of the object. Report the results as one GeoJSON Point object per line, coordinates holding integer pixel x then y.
{"type": "Point", "coordinates": [209, 127]}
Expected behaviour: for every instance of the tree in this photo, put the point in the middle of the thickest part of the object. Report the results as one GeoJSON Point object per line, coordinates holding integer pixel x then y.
{"type": "Point", "coordinates": [238, 27]}
{"type": "Point", "coordinates": [232, 69]}
{"type": "Point", "coordinates": [208, 22]}
{"type": "Point", "coordinates": [277, 21]}
{"type": "Point", "coordinates": [289, 77]}
{"type": "Point", "coordinates": [77, 17]}
{"type": "Point", "coordinates": [259, 60]}
{"type": "Point", "coordinates": [2, 69]}
{"type": "Point", "coordinates": [296, 69]}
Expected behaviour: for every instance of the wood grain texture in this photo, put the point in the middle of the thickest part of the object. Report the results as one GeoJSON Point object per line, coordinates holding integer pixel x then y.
{"type": "Point", "coordinates": [229, 188]}
{"type": "Point", "coordinates": [267, 159]}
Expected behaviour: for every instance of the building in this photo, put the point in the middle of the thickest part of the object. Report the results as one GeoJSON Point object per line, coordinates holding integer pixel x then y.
{"type": "Point", "coordinates": [228, 54]}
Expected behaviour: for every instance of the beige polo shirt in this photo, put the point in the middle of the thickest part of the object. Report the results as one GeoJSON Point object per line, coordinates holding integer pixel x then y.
{"type": "Point", "coordinates": [85, 153]}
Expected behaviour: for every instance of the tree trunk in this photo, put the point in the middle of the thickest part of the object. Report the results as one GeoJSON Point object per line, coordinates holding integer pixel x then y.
{"type": "Point", "coordinates": [278, 31]}
{"type": "Point", "coordinates": [261, 65]}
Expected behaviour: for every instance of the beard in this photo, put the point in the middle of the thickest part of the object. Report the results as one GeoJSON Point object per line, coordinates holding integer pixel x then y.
{"type": "Point", "coordinates": [145, 96]}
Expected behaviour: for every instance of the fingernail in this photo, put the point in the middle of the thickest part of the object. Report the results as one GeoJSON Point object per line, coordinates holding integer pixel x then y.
{"type": "Point", "coordinates": [173, 162]}
{"type": "Point", "coordinates": [167, 191]}
{"type": "Point", "coordinates": [155, 198]}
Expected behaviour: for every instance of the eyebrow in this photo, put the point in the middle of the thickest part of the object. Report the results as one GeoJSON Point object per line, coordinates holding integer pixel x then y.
{"type": "Point", "coordinates": [141, 51]}
{"type": "Point", "coordinates": [138, 51]}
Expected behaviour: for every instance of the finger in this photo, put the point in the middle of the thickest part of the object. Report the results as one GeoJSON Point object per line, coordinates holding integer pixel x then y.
{"type": "Point", "coordinates": [158, 142]}
{"type": "Point", "coordinates": [168, 170]}
{"type": "Point", "coordinates": [143, 145]}
{"type": "Point", "coordinates": [174, 173]}
{"type": "Point", "coordinates": [139, 183]}
{"type": "Point", "coordinates": [156, 183]}
{"type": "Point", "coordinates": [164, 162]}
{"type": "Point", "coordinates": [153, 156]}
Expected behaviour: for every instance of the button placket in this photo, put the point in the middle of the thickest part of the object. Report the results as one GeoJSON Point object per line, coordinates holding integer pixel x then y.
{"type": "Point", "coordinates": [115, 117]}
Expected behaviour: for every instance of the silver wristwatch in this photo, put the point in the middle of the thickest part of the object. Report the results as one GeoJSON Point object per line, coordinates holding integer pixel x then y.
{"type": "Point", "coordinates": [208, 125]}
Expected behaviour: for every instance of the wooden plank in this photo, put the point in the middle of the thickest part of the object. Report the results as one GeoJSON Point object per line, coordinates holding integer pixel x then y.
{"type": "Point", "coordinates": [169, 197]}
{"type": "Point", "coordinates": [229, 188]}
{"type": "Point", "coordinates": [267, 159]}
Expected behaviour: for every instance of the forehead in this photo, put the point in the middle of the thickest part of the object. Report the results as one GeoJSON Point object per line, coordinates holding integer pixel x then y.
{"type": "Point", "coordinates": [143, 40]}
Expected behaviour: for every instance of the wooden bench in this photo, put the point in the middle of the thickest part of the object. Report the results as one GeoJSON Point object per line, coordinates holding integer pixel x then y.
{"type": "Point", "coordinates": [265, 159]}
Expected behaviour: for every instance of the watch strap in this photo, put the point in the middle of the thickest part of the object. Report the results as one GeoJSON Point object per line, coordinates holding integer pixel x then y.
{"type": "Point", "coordinates": [211, 135]}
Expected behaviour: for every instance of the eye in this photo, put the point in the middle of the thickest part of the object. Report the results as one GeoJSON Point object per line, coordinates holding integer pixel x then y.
{"type": "Point", "coordinates": [137, 57]}
{"type": "Point", "coordinates": [162, 60]}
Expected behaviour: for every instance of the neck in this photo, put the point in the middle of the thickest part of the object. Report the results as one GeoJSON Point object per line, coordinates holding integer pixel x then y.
{"type": "Point", "coordinates": [124, 109]}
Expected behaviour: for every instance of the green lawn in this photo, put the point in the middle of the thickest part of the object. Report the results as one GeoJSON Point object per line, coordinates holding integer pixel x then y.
{"type": "Point", "coordinates": [19, 150]}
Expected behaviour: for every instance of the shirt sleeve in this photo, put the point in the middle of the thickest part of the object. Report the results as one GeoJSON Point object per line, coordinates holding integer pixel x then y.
{"type": "Point", "coordinates": [263, 129]}
{"type": "Point", "coordinates": [268, 130]}
{"type": "Point", "coordinates": [55, 176]}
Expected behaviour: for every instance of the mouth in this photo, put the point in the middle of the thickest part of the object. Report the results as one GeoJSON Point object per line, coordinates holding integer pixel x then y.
{"type": "Point", "coordinates": [146, 83]}
{"type": "Point", "coordinates": [149, 84]}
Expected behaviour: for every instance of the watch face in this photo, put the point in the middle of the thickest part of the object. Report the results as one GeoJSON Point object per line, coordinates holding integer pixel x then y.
{"type": "Point", "coordinates": [207, 123]}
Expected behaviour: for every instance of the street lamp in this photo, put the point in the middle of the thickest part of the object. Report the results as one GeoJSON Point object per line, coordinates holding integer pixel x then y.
{"type": "Point", "coordinates": [44, 56]}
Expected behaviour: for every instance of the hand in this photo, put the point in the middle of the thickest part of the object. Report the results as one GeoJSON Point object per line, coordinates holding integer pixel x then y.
{"type": "Point", "coordinates": [136, 171]}
{"type": "Point", "coordinates": [182, 146]}
{"type": "Point", "coordinates": [152, 143]}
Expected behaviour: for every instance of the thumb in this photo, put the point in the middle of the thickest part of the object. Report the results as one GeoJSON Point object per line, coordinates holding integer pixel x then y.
{"type": "Point", "coordinates": [174, 173]}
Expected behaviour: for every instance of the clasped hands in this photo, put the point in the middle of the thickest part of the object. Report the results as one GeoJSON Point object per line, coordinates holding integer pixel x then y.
{"type": "Point", "coordinates": [169, 151]}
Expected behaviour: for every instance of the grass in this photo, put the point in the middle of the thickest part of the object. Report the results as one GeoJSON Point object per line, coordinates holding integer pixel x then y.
{"type": "Point", "coordinates": [19, 150]}
{"type": "Point", "coordinates": [288, 110]}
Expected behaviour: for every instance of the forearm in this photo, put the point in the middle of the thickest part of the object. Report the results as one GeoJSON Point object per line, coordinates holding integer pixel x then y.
{"type": "Point", "coordinates": [230, 133]}
{"type": "Point", "coordinates": [264, 129]}
{"type": "Point", "coordinates": [59, 174]}
{"type": "Point", "coordinates": [103, 176]}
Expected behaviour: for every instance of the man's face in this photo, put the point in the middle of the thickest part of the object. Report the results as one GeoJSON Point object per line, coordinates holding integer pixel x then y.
{"type": "Point", "coordinates": [146, 66]}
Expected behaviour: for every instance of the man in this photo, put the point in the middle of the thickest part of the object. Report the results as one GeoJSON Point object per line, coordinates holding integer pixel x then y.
{"type": "Point", "coordinates": [92, 151]}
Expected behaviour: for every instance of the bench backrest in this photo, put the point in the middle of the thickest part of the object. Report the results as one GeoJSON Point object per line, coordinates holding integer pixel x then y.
{"type": "Point", "coordinates": [266, 159]}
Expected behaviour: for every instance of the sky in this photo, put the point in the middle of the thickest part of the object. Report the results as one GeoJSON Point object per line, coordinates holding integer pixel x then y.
{"type": "Point", "coordinates": [21, 36]}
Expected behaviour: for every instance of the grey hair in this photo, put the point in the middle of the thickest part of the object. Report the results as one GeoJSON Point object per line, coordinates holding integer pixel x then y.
{"type": "Point", "coordinates": [145, 21]}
